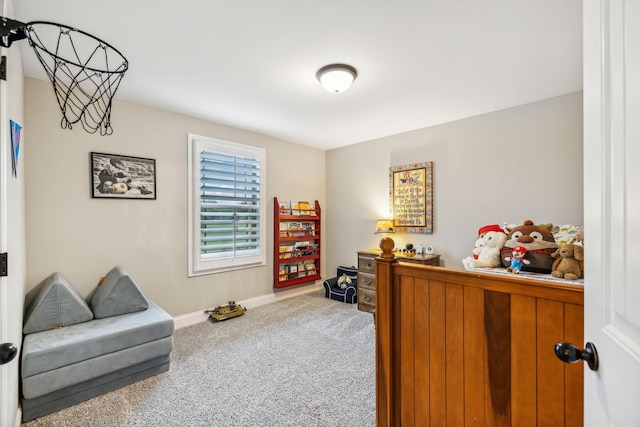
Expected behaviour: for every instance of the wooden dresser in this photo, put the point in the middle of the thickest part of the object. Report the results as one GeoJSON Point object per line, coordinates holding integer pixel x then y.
{"type": "Point", "coordinates": [459, 348]}
{"type": "Point", "coordinates": [367, 274]}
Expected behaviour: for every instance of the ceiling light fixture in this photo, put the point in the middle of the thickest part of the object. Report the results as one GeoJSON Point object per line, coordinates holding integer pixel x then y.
{"type": "Point", "coordinates": [336, 78]}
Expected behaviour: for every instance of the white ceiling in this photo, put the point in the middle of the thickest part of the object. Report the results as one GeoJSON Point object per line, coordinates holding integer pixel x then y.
{"type": "Point", "coordinates": [252, 64]}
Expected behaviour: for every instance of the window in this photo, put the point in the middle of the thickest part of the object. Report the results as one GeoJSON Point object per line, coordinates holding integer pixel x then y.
{"type": "Point", "coordinates": [226, 206]}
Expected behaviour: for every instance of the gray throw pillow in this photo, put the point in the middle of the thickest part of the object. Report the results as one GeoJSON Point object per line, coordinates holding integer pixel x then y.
{"type": "Point", "coordinates": [54, 304]}
{"type": "Point", "coordinates": [117, 294]}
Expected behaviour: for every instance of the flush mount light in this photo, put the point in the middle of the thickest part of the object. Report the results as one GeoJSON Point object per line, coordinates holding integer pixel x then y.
{"type": "Point", "coordinates": [336, 78]}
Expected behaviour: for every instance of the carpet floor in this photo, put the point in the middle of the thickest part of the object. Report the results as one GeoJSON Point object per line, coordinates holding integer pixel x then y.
{"type": "Point", "coordinates": [303, 361]}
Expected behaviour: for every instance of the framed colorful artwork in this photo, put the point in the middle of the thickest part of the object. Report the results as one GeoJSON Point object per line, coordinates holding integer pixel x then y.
{"type": "Point", "coordinates": [411, 197]}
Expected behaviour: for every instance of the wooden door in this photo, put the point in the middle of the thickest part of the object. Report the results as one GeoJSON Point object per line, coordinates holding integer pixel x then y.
{"type": "Point", "coordinates": [612, 209]}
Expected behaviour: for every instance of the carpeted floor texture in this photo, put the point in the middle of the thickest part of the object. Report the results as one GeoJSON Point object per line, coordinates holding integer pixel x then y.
{"type": "Point", "coordinates": [304, 361]}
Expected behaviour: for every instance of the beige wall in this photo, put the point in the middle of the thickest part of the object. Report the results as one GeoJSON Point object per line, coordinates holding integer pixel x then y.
{"type": "Point", "coordinates": [84, 238]}
{"type": "Point", "coordinates": [510, 165]}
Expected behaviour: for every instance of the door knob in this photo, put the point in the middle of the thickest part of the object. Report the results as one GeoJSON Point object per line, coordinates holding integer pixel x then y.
{"type": "Point", "coordinates": [8, 351]}
{"type": "Point", "coordinates": [569, 353]}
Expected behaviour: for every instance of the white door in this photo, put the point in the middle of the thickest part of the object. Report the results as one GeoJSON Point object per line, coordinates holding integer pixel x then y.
{"type": "Point", "coordinates": [612, 209]}
{"type": "Point", "coordinates": [4, 411]}
{"type": "Point", "coordinates": [5, 415]}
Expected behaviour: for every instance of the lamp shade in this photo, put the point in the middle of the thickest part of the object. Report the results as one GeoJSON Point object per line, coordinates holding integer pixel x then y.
{"type": "Point", "coordinates": [336, 78]}
{"type": "Point", "coordinates": [384, 226]}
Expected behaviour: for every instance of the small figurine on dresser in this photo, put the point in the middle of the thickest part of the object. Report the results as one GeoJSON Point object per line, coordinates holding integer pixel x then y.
{"type": "Point", "coordinates": [409, 249]}
{"type": "Point", "coordinates": [517, 259]}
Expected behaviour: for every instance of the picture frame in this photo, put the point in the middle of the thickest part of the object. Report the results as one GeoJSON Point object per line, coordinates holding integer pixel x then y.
{"type": "Point", "coordinates": [411, 197]}
{"type": "Point", "coordinates": [115, 176]}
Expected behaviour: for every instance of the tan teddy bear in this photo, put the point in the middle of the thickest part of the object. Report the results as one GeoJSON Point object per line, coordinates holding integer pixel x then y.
{"type": "Point", "coordinates": [567, 263]}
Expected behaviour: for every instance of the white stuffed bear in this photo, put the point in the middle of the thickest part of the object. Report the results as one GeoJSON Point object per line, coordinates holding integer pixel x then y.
{"type": "Point", "coordinates": [478, 246]}
{"type": "Point", "coordinates": [493, 239]}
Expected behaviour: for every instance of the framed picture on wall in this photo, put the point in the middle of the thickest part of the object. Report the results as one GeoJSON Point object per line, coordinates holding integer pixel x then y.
{"type": "Point", "coordinates": [411, 197]}
{"type": "Point", "coordinates": [114, 176]}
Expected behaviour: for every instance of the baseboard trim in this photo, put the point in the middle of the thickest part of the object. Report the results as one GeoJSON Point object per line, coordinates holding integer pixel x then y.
{"type": "Point", "coordinates": [199, 316]}
{"type": "Point", "coordinates": [18, 419]}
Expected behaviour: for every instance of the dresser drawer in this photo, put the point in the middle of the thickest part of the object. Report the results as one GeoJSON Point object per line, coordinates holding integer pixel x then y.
{"type": "Point", "coordinates": [366, 299]}
{"type": "Point", "coordinates": [366, 281]}
{"type": "Point", "coordinates": [367, 264]}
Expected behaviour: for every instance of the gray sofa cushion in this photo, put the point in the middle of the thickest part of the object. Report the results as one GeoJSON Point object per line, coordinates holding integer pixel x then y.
{"type": "Point", "coordinates": [118, 294]}
{"type": "Point", "coordinates": [54, 303]}
{"type": "Point", "coordinates": [49, 350]}
{"type": "Point", "coordinates": [65, 397]}
{"type": "Point", "coordinates": [66, 376]}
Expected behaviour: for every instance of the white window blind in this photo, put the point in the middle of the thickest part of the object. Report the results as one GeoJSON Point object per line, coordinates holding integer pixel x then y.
{"type": "Point", "coordinates": [227, 206]}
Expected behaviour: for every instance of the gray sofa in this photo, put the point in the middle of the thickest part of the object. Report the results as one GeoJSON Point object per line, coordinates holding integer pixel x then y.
{"type": "Point", "coordinates": [70, 363]}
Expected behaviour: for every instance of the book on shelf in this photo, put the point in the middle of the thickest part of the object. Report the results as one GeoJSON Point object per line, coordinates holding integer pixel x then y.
{"type": "Point", "coordinates": [309, 228]}
{"type": "Point", "coordinates": [293, 271]}
{"type": "Point", "coordinates": [284, 229]}
{"type": "Point", "coordinates": [285, 207]}
{"type": "Point", "coordinates": [300, 248]}
{"type": "Point", "coordinates": [304, 208]}
{"type": "Point", "coordinates": [312, 209]}
{"type": "Point", "coordinates": [312, 249]}
{"type": "Point", "coordinates": [310, 268]}
{"type": "Point", "coordinates": [286, 252]}
{"type": "Point", "coordinates": [295, 229]}
{"type": "Point", "coordinates": [295, 207]}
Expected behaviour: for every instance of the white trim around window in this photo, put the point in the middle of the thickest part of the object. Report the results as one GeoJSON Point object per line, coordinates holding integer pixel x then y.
{"type": "Point", "coordinates": [227, 209]}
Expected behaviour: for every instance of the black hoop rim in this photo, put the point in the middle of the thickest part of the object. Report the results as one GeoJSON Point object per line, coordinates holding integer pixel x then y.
{"type": "Point", "coordinates": [55, 24]}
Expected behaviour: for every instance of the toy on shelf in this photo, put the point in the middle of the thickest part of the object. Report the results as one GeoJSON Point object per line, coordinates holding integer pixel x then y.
{"type": "Point", "coordinates": [486, 253]}
{"type": "Point", "coordinates": [539, 242]}
{"type": "Point", "coordinates": [517, 260]}
{"type": "Point", "coordinates": [568, 262]}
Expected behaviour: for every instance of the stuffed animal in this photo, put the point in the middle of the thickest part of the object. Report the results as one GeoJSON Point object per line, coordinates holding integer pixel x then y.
{"type": "Point", "coordinates": [344, 281]}
{"type": "Point", "coordinates": [517, 260]}
{"type": "Point", "coordinates": [477, 248]}
{"type": "Point", "coordinates": [490, 241]}
{"type": "Point", "coordinates": [567, 263]}
{"type": "Point", "coordinates": [537, 240]}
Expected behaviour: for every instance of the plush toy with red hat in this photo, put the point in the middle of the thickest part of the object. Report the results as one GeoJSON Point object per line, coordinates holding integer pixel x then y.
{"type": "Point", "coordinates": [491, 239]}
{"type": "Point", "coordinates": [517, 259]}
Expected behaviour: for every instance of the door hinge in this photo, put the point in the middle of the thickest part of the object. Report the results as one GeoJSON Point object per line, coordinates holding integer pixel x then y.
{"type": "Point", "coordinates": [3, 264]}
{"type": "Point", "coordinates": [3, 68]}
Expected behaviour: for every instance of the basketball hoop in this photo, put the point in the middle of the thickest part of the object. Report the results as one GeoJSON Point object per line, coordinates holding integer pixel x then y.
{"type": "Point", "coordinates": [84, 70]}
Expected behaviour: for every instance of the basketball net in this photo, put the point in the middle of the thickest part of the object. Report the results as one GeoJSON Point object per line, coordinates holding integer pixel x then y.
{"type": "Point", "coordinates": [84, 70]}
